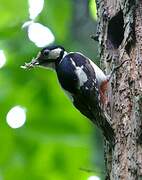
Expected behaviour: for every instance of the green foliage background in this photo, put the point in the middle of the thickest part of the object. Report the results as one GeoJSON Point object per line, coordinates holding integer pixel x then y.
{"type": "Point", "coordinates": [56, 140]}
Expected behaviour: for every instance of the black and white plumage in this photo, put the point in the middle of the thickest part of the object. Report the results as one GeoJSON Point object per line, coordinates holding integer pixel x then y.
{"type": "Point", "coordinates": [84, 82]}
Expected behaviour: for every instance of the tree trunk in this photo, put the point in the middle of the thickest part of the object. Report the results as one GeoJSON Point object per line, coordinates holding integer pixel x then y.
{"type": "Point", "coordinates": [120, 38]}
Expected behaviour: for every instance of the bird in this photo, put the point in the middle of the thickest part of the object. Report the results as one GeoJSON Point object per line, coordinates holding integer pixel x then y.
{"type": "Point", "coordinates": [83, 81]}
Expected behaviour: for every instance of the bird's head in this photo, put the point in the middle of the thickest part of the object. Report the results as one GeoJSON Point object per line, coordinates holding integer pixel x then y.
{"type": "Point", "coordinates": [47, 57]}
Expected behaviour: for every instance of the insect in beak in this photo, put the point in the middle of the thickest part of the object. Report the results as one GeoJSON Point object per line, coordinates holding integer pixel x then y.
{"type": "Point", "coordinates": [34, 62]}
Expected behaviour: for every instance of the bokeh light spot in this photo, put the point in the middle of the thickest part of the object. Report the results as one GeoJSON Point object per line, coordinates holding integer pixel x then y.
{"type": "Point", "coordinates": [35, 7]}
{"type": "Point", "coordinates": [16, 117]}
{"type": "Point", "coordinates": [40, 35]}
{"type": "Point", "coordinates": [2, 58]}
{"type": "Point", "coordinates": [93, 178]}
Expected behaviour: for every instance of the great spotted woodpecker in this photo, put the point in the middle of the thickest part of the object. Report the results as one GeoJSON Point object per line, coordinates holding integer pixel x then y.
{"type": "Point", "coordinates": [82, 79]}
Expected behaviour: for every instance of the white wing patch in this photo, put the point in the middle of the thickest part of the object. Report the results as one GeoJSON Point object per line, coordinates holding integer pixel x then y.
{"type": "Point", "coordinates": [99, 73]}
{"type": "Point", "coordinates": [73, 63]}
{"type": "Point", "coordinates": [81, 75]}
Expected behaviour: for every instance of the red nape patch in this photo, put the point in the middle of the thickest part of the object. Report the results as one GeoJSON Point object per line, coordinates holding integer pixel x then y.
{"type": "Point", "coordinates": [103, 90]}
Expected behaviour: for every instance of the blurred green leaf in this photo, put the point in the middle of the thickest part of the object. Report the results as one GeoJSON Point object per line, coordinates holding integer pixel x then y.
{"type": "Point", "coordinates": [12, 13]}
{"type": "Point", "coordinates": [57, 15]}
{"type": "Point", "coordinates": [93, 9]}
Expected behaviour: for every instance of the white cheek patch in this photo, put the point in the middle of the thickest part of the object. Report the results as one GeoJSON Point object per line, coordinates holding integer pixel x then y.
{"type": "Point", "coordinates": [54, 54]}
{"type": "Point", "coordinates": [81, 75]}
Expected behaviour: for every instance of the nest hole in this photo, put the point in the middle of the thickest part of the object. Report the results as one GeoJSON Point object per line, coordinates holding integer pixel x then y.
{"type": "Point", "coordinates": [116, 30]}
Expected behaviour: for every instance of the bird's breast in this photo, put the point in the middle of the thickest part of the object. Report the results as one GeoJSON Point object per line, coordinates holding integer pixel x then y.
{"type": "Point", "coordinates": [67, 76]}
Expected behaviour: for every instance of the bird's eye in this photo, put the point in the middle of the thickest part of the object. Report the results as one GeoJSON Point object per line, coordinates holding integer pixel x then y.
{"type": "Point", "coordinates": [46, 52]}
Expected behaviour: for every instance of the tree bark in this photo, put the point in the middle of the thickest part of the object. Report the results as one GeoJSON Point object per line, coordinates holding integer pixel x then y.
{"type": "Point", "coordinates": [120, 38]}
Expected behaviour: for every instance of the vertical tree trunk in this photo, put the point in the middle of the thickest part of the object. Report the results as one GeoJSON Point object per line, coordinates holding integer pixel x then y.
{"type": "Point", "coordinates": [120, 38]}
